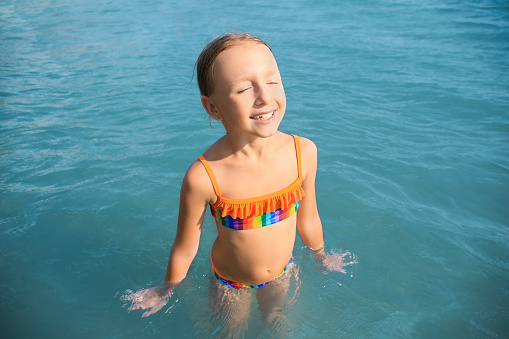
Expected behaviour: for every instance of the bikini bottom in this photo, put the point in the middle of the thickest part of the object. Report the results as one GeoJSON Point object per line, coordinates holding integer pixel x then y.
{"type": "Point", "coordinates": [239, 285]}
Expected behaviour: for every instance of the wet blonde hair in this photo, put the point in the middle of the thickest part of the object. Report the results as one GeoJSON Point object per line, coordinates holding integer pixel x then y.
{"type": "Point", "coordinates": [205, 63]}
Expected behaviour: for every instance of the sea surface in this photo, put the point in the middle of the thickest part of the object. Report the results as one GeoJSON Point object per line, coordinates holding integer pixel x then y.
{"type": "Point", "coordinates": [407, 101]}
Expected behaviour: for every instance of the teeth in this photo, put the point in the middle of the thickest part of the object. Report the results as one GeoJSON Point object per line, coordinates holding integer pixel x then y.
{"type": "Point", "coordinates": [263, 116]}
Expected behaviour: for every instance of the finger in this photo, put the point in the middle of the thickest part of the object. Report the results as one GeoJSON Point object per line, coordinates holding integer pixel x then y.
{"type": "Point", "coordinates": [130, 297]}
{"type": "Point", "coordinates": [134, 307]}
{"type": "Point", "coordinates": [137, 306]}
{"type": "Point", "coordinates": [138, 297]}
{"type": "Point", "coordinates": [153, 310]}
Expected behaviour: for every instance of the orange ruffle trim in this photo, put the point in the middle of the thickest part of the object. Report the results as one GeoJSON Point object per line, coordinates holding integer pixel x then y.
{"type": "Point", "coordinates": [245, 208]}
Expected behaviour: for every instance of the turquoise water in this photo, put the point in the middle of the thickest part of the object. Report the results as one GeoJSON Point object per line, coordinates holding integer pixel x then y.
{"type": "Point", "coordinates": [407, 101]}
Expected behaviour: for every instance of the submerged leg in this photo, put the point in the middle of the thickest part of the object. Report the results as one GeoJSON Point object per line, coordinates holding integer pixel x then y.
{"type": "Point", "coordinates": [230, 308]}
{"type": "Point", "coordinates": [271, 297]}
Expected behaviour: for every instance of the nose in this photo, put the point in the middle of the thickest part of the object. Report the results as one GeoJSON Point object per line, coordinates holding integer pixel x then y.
{"type": "Point", "coordinates": [263, 95]}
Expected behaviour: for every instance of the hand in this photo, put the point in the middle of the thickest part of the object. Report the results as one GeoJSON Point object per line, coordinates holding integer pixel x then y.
{"type": "Point", "coordinates": [334, 261]}
{"type": "Point", "coordinates": [154, 298]}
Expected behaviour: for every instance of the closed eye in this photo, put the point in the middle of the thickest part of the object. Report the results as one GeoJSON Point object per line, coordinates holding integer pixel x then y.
{"type": "Point", "coordinates": [243, 89]}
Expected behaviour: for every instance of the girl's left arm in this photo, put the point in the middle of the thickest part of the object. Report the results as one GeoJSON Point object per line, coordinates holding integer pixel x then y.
{"type": "Point", "coordinates": [309, 224]}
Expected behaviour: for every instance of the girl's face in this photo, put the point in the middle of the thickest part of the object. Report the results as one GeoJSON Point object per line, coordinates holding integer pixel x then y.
{"type": "Point", "coordinates": [248, 97]}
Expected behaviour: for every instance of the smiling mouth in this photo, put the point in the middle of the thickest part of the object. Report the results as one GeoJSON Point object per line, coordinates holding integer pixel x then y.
{"type": "Point", "coordinates": [265, 116]}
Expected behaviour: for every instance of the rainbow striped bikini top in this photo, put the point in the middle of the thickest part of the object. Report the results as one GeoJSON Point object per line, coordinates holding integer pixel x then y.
{"type": "Point", "coordinates": [246, 214]}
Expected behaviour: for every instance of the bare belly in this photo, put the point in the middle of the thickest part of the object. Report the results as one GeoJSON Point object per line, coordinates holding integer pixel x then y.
{"type": "Point", "coordinates": [254, 256]}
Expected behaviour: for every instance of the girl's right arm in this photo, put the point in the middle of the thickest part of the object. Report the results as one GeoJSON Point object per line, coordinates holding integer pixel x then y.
{"type": "Point", "coordinates": [195, 195]}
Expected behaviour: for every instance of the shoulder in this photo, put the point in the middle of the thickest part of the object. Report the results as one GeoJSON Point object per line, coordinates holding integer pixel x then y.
{"type": "Point", "coordinates": [197, 183]}
{"type": "Point", "coordinates": [308, 154]}
{"type": "Point", "coordinates": [196, 172]}
{"type": "Point", "coordinates": [308, 149]}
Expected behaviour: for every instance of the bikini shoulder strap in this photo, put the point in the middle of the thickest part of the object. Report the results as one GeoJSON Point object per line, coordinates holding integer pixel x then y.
{"type": "Point", "coordinates": [211, 175]}
{"type": "Point", "coordinates": [297, 150]}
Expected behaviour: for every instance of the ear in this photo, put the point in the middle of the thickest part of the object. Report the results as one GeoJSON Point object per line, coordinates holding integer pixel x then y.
{"type": "Point", "coordinates": [210, 107]}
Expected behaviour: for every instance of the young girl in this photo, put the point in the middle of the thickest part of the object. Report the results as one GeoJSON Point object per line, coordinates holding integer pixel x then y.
{"type": "Point", "coordinates": [258, 182]}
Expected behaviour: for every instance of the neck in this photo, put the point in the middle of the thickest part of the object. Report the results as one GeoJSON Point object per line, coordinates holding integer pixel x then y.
{"type": "Point", "coordinates": [250, 147]}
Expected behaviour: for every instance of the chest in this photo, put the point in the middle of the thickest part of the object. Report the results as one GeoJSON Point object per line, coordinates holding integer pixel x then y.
{"type": "Point", "coordinates": [246, 181]}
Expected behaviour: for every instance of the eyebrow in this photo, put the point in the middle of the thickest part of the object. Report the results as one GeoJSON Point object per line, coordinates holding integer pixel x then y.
{"type": "Point", "coordinates": [272, 72]}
